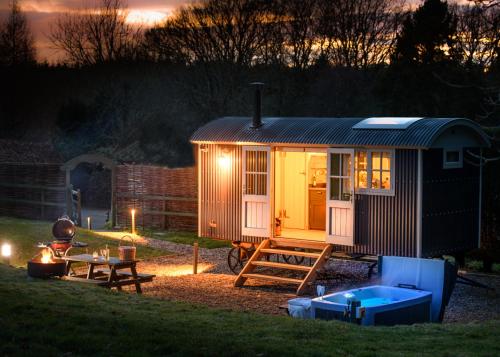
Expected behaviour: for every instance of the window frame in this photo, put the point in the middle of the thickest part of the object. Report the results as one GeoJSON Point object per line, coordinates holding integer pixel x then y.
{"type": "Point", "coordinates": [369, 173]}
{"type": "Point", "coordinates": [453, 164]}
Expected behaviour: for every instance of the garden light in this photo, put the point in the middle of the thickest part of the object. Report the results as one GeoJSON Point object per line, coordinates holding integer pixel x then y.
{"type": "Point", "coordinates": [6, 252]}
{"type": "Point", "coordinates": [132, 214]}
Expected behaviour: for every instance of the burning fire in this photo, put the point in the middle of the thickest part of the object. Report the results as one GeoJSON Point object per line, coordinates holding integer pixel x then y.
{"type": "Point", "coordinates": [46, 256]}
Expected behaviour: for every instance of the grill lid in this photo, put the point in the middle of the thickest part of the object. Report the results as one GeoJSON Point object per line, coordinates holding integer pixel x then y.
{"type": "Point", "coordinates": [64, 229]}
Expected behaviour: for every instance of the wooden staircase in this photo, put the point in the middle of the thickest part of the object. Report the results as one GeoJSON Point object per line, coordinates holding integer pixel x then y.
{"type": "Point", "coordinates": [319, 251]}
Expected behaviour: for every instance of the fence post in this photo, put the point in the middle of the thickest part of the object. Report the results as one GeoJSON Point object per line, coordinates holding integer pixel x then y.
{"type": "Point", "coordinates": [195, 258]}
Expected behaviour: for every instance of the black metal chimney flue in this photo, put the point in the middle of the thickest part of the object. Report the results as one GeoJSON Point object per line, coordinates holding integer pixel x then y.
{"type": "Point", "coordinates": [257, 117]}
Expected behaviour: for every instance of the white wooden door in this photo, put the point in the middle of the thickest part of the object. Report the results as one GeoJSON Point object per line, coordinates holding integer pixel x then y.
{"type": "Point", "coordinates": [340, 198]}
{"type": "Point", "coordinates": [256, 191]}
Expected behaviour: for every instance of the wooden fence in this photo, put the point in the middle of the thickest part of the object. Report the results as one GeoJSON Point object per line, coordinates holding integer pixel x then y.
{"type": "Point", "coordinates": [162, 197]}
{"type": "Point", "coordinates": [34, 191]}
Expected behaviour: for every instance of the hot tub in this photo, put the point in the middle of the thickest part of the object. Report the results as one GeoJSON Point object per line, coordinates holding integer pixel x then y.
{"type": "Point", "coordinates": [375, 305]}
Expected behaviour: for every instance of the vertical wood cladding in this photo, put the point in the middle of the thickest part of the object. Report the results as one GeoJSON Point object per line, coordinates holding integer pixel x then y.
{"type": "Point", "coordinates": [449, 206]}
{"type": "Point", "coordinates": [221, 193]}
{"type": "Point", "coordinates": [383, 224]}
{"type": "Point", "coordinates": [388, 224]}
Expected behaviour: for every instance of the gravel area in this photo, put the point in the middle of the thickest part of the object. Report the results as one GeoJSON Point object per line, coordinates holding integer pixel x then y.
{"type": "Point", "coordinates": [213, 285]}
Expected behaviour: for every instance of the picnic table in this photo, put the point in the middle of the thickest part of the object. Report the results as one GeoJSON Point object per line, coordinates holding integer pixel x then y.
{"type": "Point", "coordinates": [118, 273]}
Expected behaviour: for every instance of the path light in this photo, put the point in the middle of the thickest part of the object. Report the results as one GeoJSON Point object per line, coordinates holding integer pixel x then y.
{"type": "Point", "coordinates": [6, 253]}
{"type": "Point", "coordinates": [132, 214]}
{"type": "Point", "coordinates": [89, 223]}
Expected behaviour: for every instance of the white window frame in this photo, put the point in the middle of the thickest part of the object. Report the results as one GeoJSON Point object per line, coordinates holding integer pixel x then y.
{"type": "Point", "coordinates": [369, 190]}
{"type": "Point", "coordinates": [453, 164]}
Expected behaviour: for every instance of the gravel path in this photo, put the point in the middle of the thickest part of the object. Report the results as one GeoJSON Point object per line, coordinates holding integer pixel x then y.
{"type": "Point", "coordinates": [213, 286]}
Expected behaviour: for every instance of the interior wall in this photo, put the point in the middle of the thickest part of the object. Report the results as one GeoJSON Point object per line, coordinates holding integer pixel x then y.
{"type": "Point", "coordinates": [295, 172]}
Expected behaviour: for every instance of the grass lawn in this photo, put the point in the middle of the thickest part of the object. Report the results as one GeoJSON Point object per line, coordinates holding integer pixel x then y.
{"type": "Point", "coordinates": [49, 317]}
{"type": "Point", "coordinates": [186, 238]}
{"type": "Point", "coordinates": [23, 235]}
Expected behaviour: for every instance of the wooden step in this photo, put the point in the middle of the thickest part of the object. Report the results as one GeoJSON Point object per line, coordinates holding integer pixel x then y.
{"type": "Point", "coordinates": [264, 263]}
{"type": "Point", "coordinates": [290, 252]}
{"type": "Point", "coordinates": [273, 278]}
{"type": "Point", "coordinates": [297, 243]}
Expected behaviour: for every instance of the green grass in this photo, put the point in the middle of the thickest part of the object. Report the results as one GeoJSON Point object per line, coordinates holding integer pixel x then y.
{"type": "Point", "coordinates": [476, 265]}
{"type": "Point", "coordinates": [185, 238]}
{"type": "Point", "coordinates": [48, 317]}
{"type": "Point", "coordinates": [24, 234]}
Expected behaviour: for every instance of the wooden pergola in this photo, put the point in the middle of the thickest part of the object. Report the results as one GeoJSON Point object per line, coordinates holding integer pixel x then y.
{"type": "Point", "coordinates": [70, 165]}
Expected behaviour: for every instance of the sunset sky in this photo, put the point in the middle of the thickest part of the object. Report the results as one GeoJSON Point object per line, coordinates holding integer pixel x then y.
{"type": "Point", "coordinates": [42, 12]}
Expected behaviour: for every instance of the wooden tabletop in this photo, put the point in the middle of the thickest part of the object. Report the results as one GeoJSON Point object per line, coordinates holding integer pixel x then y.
{"type": "Point", "coordinates": [88, 258]}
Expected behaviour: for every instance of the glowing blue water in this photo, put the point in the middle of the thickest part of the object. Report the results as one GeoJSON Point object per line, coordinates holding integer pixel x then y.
{"type": "Point", "coordinates": [377, 301]}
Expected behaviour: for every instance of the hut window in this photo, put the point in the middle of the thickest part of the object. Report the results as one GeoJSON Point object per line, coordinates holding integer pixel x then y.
{"type": "Point", "coordinates": [374, 172]}
{"type": "Point", "coordinates": [256, 173]}
{"type": "Point", "coordinates": [452, 159]}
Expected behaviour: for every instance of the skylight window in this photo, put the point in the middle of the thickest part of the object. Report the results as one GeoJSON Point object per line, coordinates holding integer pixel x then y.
{"type": "Point", "coordinates": [386, 123]}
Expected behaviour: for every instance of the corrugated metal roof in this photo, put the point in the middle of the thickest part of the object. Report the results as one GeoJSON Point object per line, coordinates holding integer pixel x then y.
{"type": "Point", "coordinates": [328, 131]}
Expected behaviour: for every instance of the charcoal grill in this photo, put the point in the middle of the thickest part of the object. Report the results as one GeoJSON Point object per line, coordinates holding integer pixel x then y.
{"type": "Point", "coordinates": [63, 231]}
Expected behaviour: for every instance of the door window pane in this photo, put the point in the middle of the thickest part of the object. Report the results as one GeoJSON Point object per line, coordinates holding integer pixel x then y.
{"type": "Point", "coordinates": [334, 188]}
{"type": "Point", "coordinates": [346, 165]}
{"type": "Point", "coordinates": [345, 194]}
{"type": "Point", "coordinates": [335, 164]}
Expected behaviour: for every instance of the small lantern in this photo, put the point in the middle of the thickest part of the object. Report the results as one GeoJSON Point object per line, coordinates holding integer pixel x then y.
{"type": "Point", "coordinates": [224, 161]}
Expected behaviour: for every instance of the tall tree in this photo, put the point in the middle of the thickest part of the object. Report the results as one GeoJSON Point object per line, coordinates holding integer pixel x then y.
{"type": "Point", "coordinates": [359, 33]}
{"type": "Point", "coordinates": [225, 31]}
{"type": "Point", "coordinates": [97, 34]}
{"type": "Point", "coordinates": [478, 31]}
{"type": "Point", "coordinates": [16, 40]}
{"type": "Point", "coordinates": [428, 35]}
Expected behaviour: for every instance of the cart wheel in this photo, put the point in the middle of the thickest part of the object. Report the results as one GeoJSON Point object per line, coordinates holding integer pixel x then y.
{"type": "Point", "coordinates": [236, 259]}
{"type": "Point", "coordinates": [293, 259]}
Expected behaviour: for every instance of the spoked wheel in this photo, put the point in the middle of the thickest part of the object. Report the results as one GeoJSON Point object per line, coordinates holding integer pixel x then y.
{"type": "Point", "coordinates": [237, 258]}
{"type": "Point", "coordinates": [293, 259]}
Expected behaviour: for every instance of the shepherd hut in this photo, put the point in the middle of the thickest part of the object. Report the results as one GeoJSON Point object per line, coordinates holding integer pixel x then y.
{"type": "Point", "coordinates": [405, 186]}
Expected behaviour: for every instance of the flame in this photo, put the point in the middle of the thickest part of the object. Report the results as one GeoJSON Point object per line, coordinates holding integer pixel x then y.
{"type": "Point", "coordinates": [46, 256]}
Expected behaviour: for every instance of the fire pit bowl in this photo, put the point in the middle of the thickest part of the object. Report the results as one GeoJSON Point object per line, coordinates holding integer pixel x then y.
{"type": "Point", "coordinates": [37, 269]}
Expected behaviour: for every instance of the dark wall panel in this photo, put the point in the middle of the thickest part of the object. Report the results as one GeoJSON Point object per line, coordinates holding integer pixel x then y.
{"type": "Point", "coordinates": [449, 206]}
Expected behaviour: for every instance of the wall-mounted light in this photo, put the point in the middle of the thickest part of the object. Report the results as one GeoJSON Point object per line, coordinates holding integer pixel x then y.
{"type": "Point", "coordinates": [224, 160]}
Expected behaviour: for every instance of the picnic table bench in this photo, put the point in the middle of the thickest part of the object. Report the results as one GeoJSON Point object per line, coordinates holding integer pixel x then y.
{"type": "Point", "coordinates": [115, 276]}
